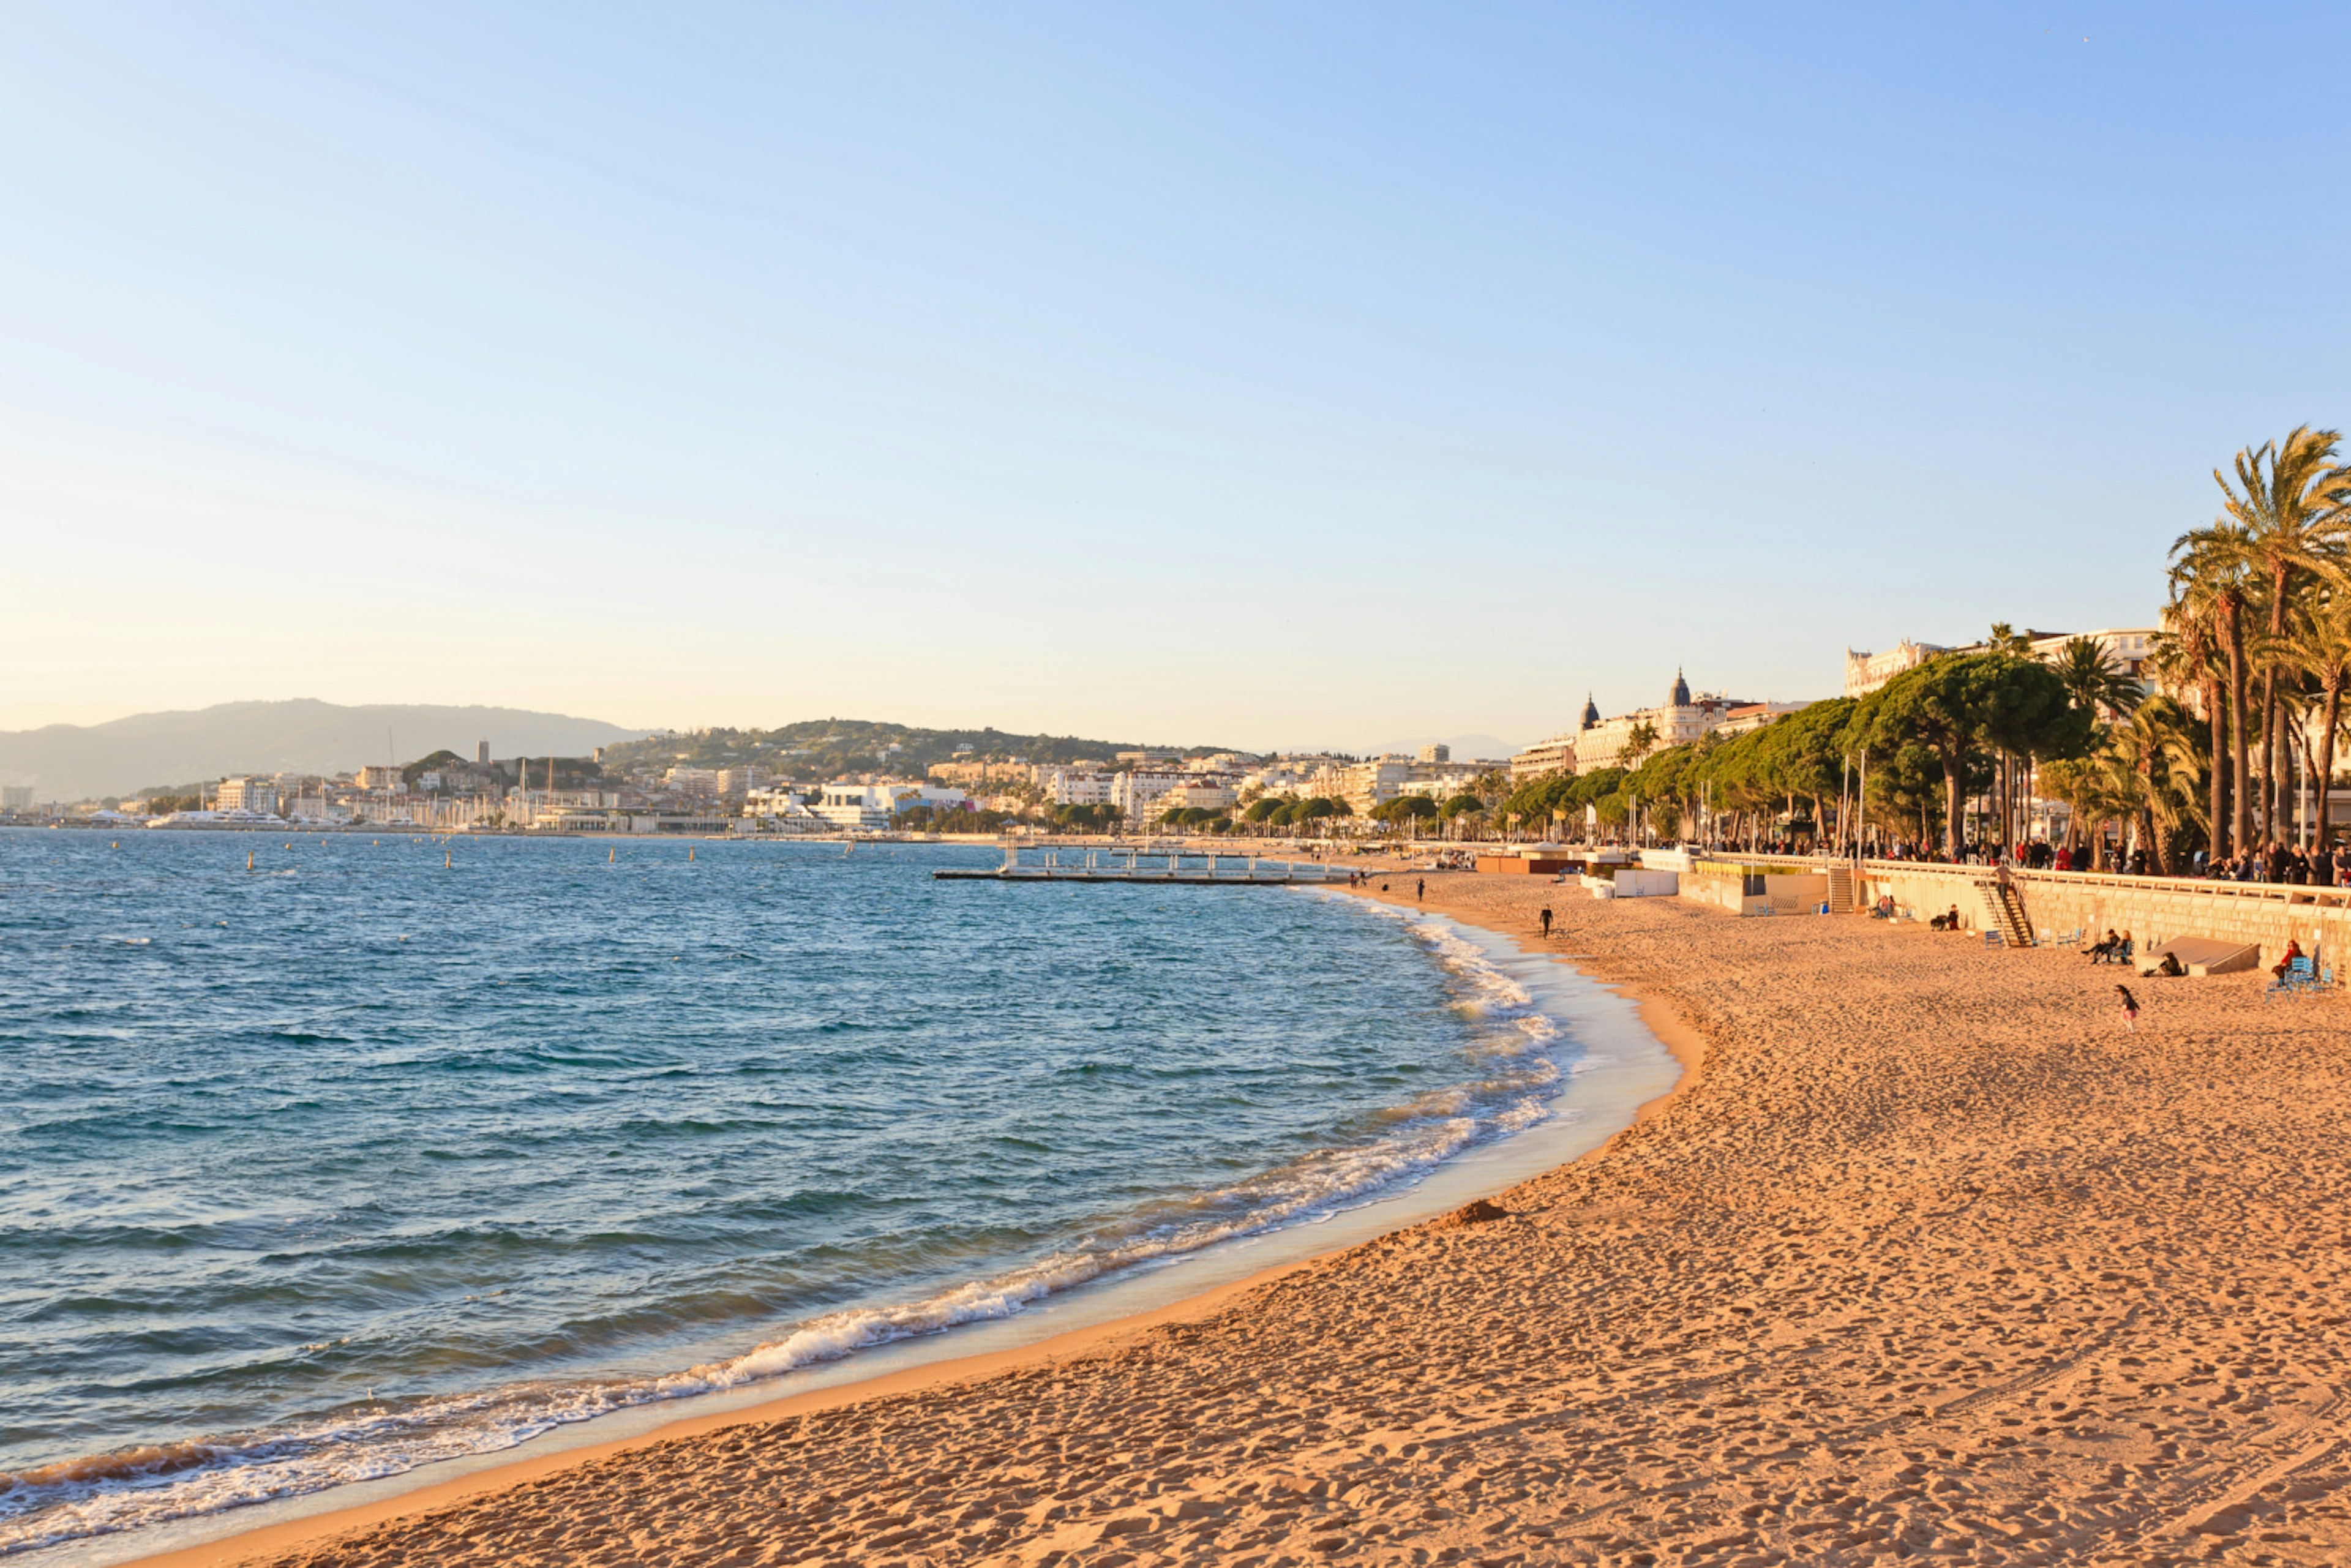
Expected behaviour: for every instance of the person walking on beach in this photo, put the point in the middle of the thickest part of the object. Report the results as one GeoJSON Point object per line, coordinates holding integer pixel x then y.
{"type": "Point", "coordinates": [1419, 889]}
{"type": "Point", "coordinates": [1546, 920]}
{"type": "Point", "coordinates": [2130, 1009]}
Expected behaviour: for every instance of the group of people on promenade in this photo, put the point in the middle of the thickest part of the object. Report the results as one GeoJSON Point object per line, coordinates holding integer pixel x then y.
{"type": "Point", "coordinates": [2283, 863]}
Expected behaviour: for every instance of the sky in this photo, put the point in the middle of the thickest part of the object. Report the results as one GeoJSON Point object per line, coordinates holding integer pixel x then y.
{"type": "Point", "coordinates": [1267, 376]}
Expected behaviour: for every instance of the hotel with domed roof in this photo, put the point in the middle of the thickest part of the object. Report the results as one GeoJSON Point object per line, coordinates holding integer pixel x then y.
{"type": "Point", "coordinates": [1602, 743]}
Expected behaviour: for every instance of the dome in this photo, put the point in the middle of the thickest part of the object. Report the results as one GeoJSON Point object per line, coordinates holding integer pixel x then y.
{"type": "Point", "coordinates": [1681, 692]}
{"type": "Point", "coordinates": [1591, 712]}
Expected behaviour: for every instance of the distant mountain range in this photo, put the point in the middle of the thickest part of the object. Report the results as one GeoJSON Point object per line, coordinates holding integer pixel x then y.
{"type": "Point", "coordinates": [149, 751]}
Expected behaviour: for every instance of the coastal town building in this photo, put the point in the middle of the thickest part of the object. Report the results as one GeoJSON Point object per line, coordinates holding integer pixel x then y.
{"type": "Point", "coordinates": [1138, 791]}
{"type": "Point", "coordinates": [1374, 781]}
{"type": "Point", "coordinates": [593, 819]}
{"type": "Point", "coordinates": [1866, 671]}
{"type": "Point", "coordinates": [873, 806]}
{"type": "Point", "coordinates": [780, 805]}
{"type": "Point", "coordinates": [1682, 717]}
{"type": "Point", "coordinates": [967, 774]}
{"type": "Point", "coordinates": [1201, 795]}
{"type": "Point", "coordinates": [1072, 785]}
{"type": "Point", "coordinates": [258, 796]}
{"type": "Point", "coordinates": [1754, 715]}
{"type": "Point", "coordinates": [2128, 647]}
{"type": "Point", "coordinates": [1678, 720]}
{"type": "Point", "coordinates": [1555, 754]}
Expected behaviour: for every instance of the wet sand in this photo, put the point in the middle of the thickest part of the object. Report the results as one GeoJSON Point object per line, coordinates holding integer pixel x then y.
{"type": "Point", "coordinates": [1932, 1262]}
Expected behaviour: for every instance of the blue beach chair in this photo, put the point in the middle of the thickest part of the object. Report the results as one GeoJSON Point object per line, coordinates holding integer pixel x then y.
{"type": "Point", "coordinates": [2298, 978]}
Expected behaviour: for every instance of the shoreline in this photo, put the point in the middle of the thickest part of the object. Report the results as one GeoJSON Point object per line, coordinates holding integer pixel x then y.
{"type": "Point", "coordinates": [1935, 1260]}
{"type": "Point", "coordinates": [1683, 1044]}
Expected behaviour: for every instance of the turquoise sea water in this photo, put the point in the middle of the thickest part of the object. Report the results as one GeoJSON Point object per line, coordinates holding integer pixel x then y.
{"type": "Point", "coordinates": [353, 1162]}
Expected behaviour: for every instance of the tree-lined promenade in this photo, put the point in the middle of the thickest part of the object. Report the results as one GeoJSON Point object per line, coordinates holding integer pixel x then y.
{"type": "Point", "coordinates": [2251, 669]}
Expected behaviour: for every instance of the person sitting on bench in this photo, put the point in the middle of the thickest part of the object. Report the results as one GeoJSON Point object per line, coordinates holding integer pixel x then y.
{"type": "Point", "coordinates": [1883, 908]}
{"type": "Point", "coordinates": [2101, 951]}
{"type": "Point", "coordinates": [2285, 959]}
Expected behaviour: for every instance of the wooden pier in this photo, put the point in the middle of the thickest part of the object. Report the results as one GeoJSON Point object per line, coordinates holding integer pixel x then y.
{"type": "Point", "coordinates": [1181, 868]}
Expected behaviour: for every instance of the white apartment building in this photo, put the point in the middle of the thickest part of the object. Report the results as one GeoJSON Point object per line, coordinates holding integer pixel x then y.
{"type": "Point", "coordinates": [256, 795]}
{"type": "Point", "coordinates": [382, 778]}
{"type": "Point", "coordinates": [1072, 786]}
{"type": "Point", "coordinates": [732, 781]}
{"type": "Point", "coordinates": [692, 781]}
{"type": "Point", "coordinates": [1137, 794]}
{"type": "Point", "coordinates": [873, 806]}
{"type": "Point", "coordinates": [2129, 647]}
{"type": "Point", "coordinates": [1544, 758]}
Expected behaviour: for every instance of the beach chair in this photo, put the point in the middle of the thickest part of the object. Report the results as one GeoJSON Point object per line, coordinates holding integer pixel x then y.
{"type": "Point", "coordinates": [2296, 979]}
{"type": "Point", "coordinates": [1993, 939]}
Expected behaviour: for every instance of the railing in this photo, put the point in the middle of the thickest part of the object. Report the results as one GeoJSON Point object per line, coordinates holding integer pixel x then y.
{"type": "Point", "coordinates": [2285, 892]}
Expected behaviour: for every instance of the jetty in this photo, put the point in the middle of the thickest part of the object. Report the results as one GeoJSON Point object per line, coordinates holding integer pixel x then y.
{"type": "Point", "coordinates": [1182, 867]}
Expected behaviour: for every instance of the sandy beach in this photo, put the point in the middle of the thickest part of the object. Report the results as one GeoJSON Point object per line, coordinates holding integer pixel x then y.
{"type": "Point", "coordinates": [1930, 1261]}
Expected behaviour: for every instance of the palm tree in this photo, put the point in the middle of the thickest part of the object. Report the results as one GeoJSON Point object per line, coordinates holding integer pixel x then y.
{"type": "Point", "coordinates": [2295, 504]}
{"type": "Point", "coordinates": [2155, 748]}
{"type": "Point", "coordinates": [2094, 680]}
{"type": "Point", "coordinates": [2187, 654]}
{"type": "Point", "coordinates": [2215, 563]}
{"type": "Point", "coordinates": [2320, 648]}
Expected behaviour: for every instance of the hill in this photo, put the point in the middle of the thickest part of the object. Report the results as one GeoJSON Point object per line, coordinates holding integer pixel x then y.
{"type": "Point", "coordinates": [822, 747]}
{"type": "Point", "coordinates": [72, 762]}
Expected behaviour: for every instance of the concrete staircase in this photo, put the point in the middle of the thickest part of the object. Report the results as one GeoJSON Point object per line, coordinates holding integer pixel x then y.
{"type": "Point", "coordinates": [1841, 881]}
{"type": "Point", "coordinates": [2006, 909]}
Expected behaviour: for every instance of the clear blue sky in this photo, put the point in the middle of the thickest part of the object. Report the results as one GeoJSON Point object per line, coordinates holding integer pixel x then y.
{"type": "Point", "coordinates": [1270, 375]}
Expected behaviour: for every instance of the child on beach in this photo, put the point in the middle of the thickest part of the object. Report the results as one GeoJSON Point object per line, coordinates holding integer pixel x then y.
{"type": "Point", "coordinates": [2130, 1009]}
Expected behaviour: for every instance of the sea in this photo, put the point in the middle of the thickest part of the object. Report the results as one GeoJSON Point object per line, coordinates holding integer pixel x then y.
{"type": "Point", "coordinates": [333, 1163]}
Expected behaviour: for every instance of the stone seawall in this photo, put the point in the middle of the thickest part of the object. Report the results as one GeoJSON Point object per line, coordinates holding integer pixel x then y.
{"type": "Point", "coordinates": [2154, 910]}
